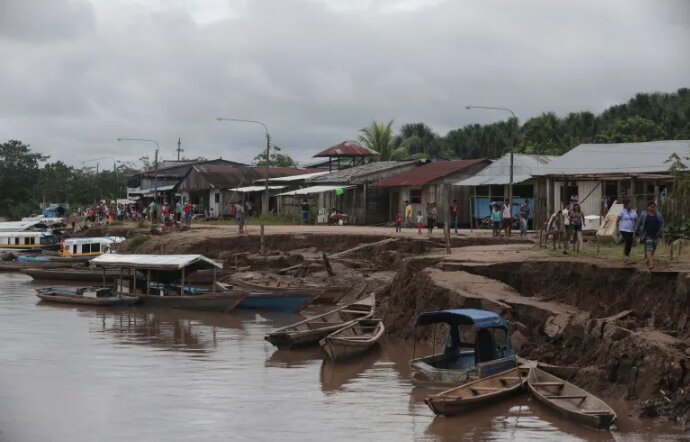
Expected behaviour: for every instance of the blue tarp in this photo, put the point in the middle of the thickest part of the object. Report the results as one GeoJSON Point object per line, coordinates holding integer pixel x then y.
{"type": "Point", "coordinates": [467, 316]}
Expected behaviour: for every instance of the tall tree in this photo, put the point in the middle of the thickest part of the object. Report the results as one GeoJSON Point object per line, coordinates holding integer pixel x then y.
{"type": "Point", "coordinates": [277, 159]}
{"type": "Point", "coordinates": [379, 137]}
{"type": "Point", "coordinates": [18, 174]}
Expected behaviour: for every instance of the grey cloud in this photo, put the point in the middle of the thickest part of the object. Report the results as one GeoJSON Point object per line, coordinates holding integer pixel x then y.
{"type": "Point", "coordinates": [43, 20]}
{"type": "Point", "coordinates": [317, 73]}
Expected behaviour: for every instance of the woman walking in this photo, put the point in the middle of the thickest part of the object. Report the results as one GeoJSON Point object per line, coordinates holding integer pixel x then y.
{"type": "Point", "coordinates": [577, 220]}
{"type": "Point", "coordinates": [625, 224]}
{"type": "Point", "coordinates": [650, 228]}
{"type": "Point", "coordinates": [431, 218]}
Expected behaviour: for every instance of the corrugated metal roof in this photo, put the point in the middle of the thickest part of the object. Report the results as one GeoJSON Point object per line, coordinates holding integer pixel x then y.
{"type": "Point", "coordinates": [347, 175]}
{"type": "Point", "coordinates": [499, 171]}
{"type": "Point", "coordinates": [305, 176]}
{"type": "Point", "coordinates": [225, 177]}
{"type": "Point", "coordinates": [347, 149]}
{"type": "Point", "coordinates": [428, 173]}
{"type": "Point", "coordinates": [158, 262]}
{"type": "Point", "coordinates": [649, 157]}
{"type": "Point", "coordinates": [313, 189]}
{"type": "Point", "coordinates": [249, 189]}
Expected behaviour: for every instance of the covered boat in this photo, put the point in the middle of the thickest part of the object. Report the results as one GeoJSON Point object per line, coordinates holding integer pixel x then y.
{"type": "Point", "coordinates": [167, 270]}
{"type": "Point", "coordinates": [312, 330]}
{"type": "Point", "coordinates": [98, 296]}
{"type": "Point", "coordinates": [353, 339]}
{"type": "Point", "coordinates": [77, 247]}
{"type": "Point", "coordinates": [570, 400]}
{"type": "Point", "coordinates": [477, 346]}
{"type": "Point", "coordinates": [479, 392]}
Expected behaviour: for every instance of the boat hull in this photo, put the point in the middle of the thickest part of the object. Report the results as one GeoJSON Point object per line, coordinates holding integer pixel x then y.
{"type": "Point", "coordinates": [570, 401]}
{"type": "Point", "coordinates": [339, 347]}
{"type": "Point", "coordinates": [423, 374]}
{"type": "Point", "coordinates": [280, 302]}
{"type": "Point", "coordinates": [311, 330]}
{"type": "Point", "coordinates": [86, 275]}
{"type": "Point", "coordinates": [478, 393]}
{"type": "Point", "coordinates": [217, 302]}
{"type": "Point", "coordinates": [113, 301]}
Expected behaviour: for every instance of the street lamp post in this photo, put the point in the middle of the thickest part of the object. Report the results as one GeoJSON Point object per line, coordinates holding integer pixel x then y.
{"type": "Point", "coordinates": [155, 163]}
{"type": "Point", "coordinates": [512, 148]}
{"type": "Point", "coordinates": [264, 205]}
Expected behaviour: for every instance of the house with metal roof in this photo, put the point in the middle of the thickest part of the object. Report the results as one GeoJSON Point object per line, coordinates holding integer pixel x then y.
{"type": "Point", "coordinates": [596, 175]}
{"type": "Point", "coordinates": [349, 191]}
{"type": "Point", "coordinates": [432, 182]}
{"type": "Point", "coordinates": [350, 152]}
{"type": "Point", "coordinates": [492, 184]}
{"type": "Point", "coordinates": [211, 189]}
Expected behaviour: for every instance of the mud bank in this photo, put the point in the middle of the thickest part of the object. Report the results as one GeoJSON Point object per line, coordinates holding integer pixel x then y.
{"type": "Point", "coordinates": [625, 329]}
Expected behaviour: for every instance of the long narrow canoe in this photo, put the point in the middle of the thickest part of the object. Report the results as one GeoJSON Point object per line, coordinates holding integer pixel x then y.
{"type": "Point", "coordinates": [569, 400]}
{"type": "Point", "coordinates": [353, 339]}
{"type": "Point", "coordinates": [70, 295]}
{"type": "Point", "coordinates": [476, 394]}
{"type": "Point", "coordinates": [82, 274]}
{"type": "Point", "coordinates": [312, 330]}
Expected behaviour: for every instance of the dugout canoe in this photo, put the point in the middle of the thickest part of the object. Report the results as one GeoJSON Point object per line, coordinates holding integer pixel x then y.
{"type": "Point", "coordinates": [353, 339]}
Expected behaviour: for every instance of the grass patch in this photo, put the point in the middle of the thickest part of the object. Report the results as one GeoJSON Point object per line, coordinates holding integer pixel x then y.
{"type": "Point", "coordinates": [613, 252]}
{"type": "Point", "coordinates": [137, 241]}
{"type": "Point", "coordinates": [268, 220]}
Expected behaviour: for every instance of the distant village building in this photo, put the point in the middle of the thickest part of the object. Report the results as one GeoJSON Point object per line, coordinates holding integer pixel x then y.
{"type": "Point", "coordinates": [164, 178]}
{"type": "Point", "coordinates": [361, 202]}
{"type": "Point", "coordinates": [350, 153]}
{"type": "Point", "coordinates": [212, 188]}
{"type": "Point", "coordinates": [432, 182]}
{"type": "Point", "coordinates": [595, 175]}
{"type": "Point", "coordinates": [492, 184]}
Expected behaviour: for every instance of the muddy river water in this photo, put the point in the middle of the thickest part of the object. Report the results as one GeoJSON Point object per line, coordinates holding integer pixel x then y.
{"type": "Point", "coordinates": [139, 374]}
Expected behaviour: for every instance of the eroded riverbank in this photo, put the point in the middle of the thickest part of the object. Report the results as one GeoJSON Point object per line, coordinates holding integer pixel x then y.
{"type": "Point", "coordinates": [624, 330]}
{"type": "Point", "coordinates": [79, 373]}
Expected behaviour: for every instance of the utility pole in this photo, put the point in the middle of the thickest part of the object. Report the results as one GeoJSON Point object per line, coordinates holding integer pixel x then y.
{"type": "Point", "coordinates": [155, 177]}
{"type": "Point", "coordinates": [179, 148]}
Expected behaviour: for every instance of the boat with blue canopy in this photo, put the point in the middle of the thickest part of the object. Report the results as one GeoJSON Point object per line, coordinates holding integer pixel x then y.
{"type": "Point", "coordinates": [477, 345]}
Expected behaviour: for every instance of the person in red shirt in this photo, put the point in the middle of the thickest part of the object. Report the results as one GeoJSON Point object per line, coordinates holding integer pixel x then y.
{"type": "Point", "coordinates": [188, 213]}
{"type": "Point", "coordinates": [453, 210]}
{"type": "Point", "coordinates": [398, 222]}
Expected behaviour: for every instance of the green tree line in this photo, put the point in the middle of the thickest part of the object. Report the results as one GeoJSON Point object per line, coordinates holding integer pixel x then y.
{"type": "Point", "coordinates": [645, 117]}
{"type": "Point", "coordinates": [25, 182]}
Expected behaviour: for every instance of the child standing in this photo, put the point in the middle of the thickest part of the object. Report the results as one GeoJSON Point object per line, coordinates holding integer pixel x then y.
{"type": "Point", "coordinates": [398, 222]}
{"type": "Point", "coordinates": [496, 218]}
{"type": "Point", "coordinates": [420, 221]}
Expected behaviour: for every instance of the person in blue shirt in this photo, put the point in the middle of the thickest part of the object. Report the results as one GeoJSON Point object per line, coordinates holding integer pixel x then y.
{"type": "Point", "coordinates": [496, 217]}
{"type": "Point", "coordinates": [650, 227]}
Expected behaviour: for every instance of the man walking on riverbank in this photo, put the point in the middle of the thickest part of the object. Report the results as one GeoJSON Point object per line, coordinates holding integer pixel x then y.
{"type": "Point", "coordinates": [409, 221]}
{"type": "Point", "coordinates": [453, 210]}
{"type": "Point", "coordinates": [524, 217]}
{"type": "Point", "coordinates": [625, 225]}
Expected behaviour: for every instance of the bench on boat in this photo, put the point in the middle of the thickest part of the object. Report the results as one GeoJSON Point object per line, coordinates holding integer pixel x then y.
{"type": "Point", "coordinates": [574, 396]}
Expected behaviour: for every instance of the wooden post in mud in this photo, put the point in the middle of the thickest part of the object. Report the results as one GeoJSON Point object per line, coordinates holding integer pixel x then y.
{"type": "Point", "coordinates": [446, 233]}
{"type": "Point", "coordinates": [327, 265]}
{"type": "Point", "coordinates": [263, 249]}
{"type": "Point", "coordinates": [541, 237]}
{"type": "Point", "coordinates": [182, 283]}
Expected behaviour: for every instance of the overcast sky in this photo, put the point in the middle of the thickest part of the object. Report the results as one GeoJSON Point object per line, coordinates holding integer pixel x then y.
{"type": "Point", "coordinates": [77, 74]}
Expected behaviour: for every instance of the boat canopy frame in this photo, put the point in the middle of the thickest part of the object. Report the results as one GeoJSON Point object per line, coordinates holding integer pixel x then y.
{"type": "Point", "coordinates": [480, 319]}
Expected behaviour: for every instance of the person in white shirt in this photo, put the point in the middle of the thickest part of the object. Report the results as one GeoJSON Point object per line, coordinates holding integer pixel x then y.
{"type": "Point", "coordinates": [507, 218]}
{"type": "Point", "coordinates": [625, 224]}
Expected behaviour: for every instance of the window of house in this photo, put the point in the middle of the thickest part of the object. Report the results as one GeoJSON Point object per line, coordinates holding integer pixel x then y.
{"type": "Point", "coordinates": [416, 196]}
{"type": "Point", "coordinates": [482, 190]}
{"type": "Point", "coordinates": [74, 249]}
{"type": "Point", "coordinates": [523, 191]}
{"type": "Point", "coordinates": [216, 198]}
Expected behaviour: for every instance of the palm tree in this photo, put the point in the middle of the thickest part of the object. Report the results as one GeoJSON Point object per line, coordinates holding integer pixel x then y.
{"type": "Point", "coordinates": [378, 137]}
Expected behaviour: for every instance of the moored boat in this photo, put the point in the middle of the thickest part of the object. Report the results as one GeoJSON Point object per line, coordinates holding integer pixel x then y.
{"type": "Point", "coordinates": [479, 392]}
{"type": "Point", "coordinates": [98, 296]}
{"type": "Point", "coordinates": [570, 400]}
{"type": "Point", "coordinates": [70, 274]}
{"type": "Point", "coordinates": [311, 330]}
{"type": "Point", "coordinates": [480, 349]}
{"type": "Point", "coordinates": [167, 271]}
{"type": "Point", "coordinates": [353, 339]}
{"type": "Point", "coordinates": [289, 301]}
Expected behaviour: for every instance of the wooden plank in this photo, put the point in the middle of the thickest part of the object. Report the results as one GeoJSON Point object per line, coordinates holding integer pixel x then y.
{"type": "Point", "coordinates": [548, 384]}
{"type": "Point", "coordinates": [574, 396]}
{"type": "Point", "coordinates": [595, 412]}
{"type": "Point", "coordinates": [486, 389]}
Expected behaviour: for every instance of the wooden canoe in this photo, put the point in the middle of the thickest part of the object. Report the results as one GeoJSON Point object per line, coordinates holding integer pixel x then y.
{"type": "Point", "coordinates": [476, 394]}
{"type": "Point", "coordinates": [312, 330]}
{"type": "Point", "coordinates": [353, 339]}
{"type": "Point", "coordinates": [274, 285]}
{"type": "Point", "coordinates": [66, 295]}
{"type": "Point", "coordinates": [84, 274]}
{"type": "Point", "coordinates": [569, 400]}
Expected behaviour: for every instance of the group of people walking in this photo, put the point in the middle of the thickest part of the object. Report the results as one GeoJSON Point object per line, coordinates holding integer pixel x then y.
{"type": "Point", "coordinates": [648, 227]}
